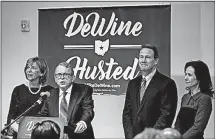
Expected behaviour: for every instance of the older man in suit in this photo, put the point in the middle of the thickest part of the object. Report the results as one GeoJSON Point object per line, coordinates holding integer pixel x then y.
{"type": "Point", "coordinates": [151, 99]}
{"type": "Point", "coordinates": [72, 102]}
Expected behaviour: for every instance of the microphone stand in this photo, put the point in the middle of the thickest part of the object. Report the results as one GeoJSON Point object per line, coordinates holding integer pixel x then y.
{"type": "Point", "coordinates": [3, 131]}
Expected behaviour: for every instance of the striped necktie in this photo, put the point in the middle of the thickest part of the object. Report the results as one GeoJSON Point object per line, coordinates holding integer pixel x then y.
{"type": "Point", "coordinates": [64, 108]}
{"type": "Point", "coordinates": [142, 89]}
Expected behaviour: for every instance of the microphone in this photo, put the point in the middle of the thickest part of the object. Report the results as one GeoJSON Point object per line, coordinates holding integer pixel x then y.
{"type": "Point", "coordinates": [43, 95]}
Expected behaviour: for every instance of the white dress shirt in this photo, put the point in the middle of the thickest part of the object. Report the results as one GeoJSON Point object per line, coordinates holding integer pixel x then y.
{"type": "Point", "coordinates": [69, 90]}
{"type": "Point", "coordinates": [149, 77]}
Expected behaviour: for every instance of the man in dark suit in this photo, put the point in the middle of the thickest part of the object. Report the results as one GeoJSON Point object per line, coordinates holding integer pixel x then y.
{"type": "Point", "coordinates": [72, 102]}
{"type": "Point", "coordinates": [151, 99]}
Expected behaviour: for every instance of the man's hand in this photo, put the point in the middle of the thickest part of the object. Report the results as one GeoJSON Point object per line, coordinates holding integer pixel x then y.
{"type": "Point", "coordinates": [81, 127]}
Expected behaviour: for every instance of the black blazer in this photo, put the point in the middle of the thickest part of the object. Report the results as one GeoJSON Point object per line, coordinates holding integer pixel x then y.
{"type": "Point", "coordinates": [80, 108]}
{"type": "Point", "coordinates": [157, 109]}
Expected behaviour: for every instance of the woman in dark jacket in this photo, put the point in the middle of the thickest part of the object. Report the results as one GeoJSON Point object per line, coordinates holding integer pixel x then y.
{"type": "Point", "coordinates": [196, 104]}
{"type": "Point", "coordinates": [26, 94]}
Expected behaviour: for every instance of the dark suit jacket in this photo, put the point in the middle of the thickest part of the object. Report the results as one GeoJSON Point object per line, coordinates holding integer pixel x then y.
{"type": "Point", "coordinates": [80, 108]}
{"type": "Point", "coordinates": [158, 106]}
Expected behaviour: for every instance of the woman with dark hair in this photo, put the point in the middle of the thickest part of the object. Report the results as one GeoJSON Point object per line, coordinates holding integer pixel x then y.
{"type": "Point", "coordinates": [25, 95]}
{"type": "Point", "coordinates": [46, 130]}
{"type": "Point", "coordinates": [196, 105]}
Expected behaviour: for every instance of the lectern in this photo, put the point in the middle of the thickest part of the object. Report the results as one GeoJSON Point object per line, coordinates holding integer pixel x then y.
{"type": "Point", "coordinates": [26, 125]}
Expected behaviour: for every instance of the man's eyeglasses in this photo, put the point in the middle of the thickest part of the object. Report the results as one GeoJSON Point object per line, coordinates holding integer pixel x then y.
{"type": "Point", "coordinates": [63, 75]}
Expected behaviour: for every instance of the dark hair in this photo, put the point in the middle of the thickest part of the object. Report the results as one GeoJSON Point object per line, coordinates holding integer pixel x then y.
{"type": "Point", "coordinates": [46, 130]}
{"type": "Point", "coordinates": [153, 47]}
{"type": "Point", "coordinates": [203, 76]}
{"type": "Point", "coordinates": [42, 66]}
{"type": "Point", "coordinates": [149, 133]}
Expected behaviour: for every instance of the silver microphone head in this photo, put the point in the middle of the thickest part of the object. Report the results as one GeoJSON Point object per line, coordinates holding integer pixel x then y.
{"type": "Point", "coordinates": [43, 95]}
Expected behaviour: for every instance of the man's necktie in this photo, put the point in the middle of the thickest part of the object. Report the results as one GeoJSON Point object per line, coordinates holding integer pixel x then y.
{"type": "Point", "coordinates": [64, 112]}
{"type": "Point", "coordinates": [142, 88]}
{"type": "Point", "coordinates": [64, 108]}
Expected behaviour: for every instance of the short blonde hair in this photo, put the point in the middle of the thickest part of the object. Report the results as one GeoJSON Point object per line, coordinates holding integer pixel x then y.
{"type": "Point", "coordinates": [42, 66]}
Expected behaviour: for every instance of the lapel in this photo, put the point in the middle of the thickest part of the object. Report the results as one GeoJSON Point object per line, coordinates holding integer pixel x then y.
{"type": "Point", "coordinates": [151, 88]}
{"type": "Point", "coordinates": [137, 89]}
{"type": "Point", "coordinates": [55, 102]}
{"type": "Point", "coordinates": [73, 99]}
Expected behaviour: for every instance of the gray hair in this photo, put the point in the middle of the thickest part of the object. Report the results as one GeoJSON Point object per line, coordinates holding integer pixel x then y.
{"type": "Point", "coordinates": [67, 65]}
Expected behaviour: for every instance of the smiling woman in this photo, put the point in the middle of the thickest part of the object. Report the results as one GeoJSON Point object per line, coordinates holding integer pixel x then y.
{"type": "Point", "coordinates": [25, 95]}
{"type": "Point", "coordinates": [196, 105]}
{"type": "Point", "coordinates": [191, 81]}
